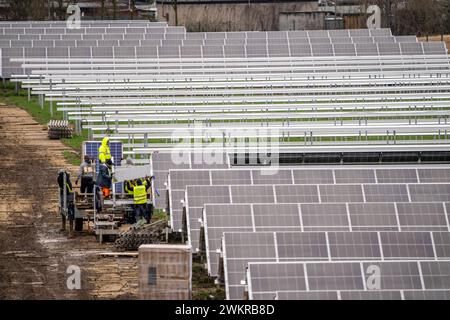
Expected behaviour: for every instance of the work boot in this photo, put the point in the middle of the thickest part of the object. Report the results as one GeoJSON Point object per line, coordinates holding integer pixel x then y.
{"type": "Point", "coordinates": [63, 224]}
{"type": "Point", "coordinates": [71, 231]}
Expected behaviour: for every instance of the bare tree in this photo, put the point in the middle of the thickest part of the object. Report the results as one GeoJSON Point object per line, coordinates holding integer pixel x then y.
{"type": "Point", "coordinates": [114, 3]}
{"type": "Point", "coordinates": [421, 17]}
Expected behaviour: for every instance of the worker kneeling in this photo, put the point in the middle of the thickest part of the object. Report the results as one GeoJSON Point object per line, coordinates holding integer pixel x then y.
{"type": "Point", "coordinates": [140, 201]}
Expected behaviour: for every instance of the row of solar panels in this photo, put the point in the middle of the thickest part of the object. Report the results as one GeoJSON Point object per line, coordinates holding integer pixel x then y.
{"type": "Point", "coordinates": [235, 51]}
{"type": "Point", "coordinates": [357, 223]}
{"type": "Point", "coordinates": [175, 40]}
{"type": "Point", "coordinates": [208, 35]}
{"type": "Point", "coordinates": [39, 24]}
{"type": "Point", "coordinates": [291, 181]}
{"type": "Point", "coordinates": [400, 280]}
{"type": "Point", "coordinates": [62, 33]}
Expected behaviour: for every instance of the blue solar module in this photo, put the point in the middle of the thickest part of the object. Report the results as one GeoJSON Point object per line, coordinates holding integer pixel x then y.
{"type": "Point", "coordinates": [91, 148]}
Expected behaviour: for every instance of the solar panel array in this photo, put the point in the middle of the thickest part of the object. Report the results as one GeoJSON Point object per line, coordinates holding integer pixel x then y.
{"type": "Point", "coordinates": [314, 232]}
{"type": "Point", "coordinates": [312, 217]}
{"type": "Point", "coordinates": [331, 188]}
{"type": "Point", "coordinates": [317, 214]}
{"type": "Point", "coordinates": [141, 57]}
{"type": "Point", "coordinates": [329, 246]}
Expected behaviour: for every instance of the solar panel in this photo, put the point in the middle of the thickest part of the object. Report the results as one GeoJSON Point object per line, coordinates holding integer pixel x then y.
{"type": "Point", "coordinates": [298, 245]}
{"type": "Point", "coordinates": [371, 295]}
{"type": "Point", "coordinates": [388, 49]}
{"type": "Point", "coordinates": [299, 50]}
{"type": "Point", "coordinates": [380, 32]}
{"type": "Point", "coordinates": [430, 192]}
{"type": "Point", "coordinates": [277, 177]}
{"type": "Point", "coordinates": [366, 49]}
{"type": "Point", "coordinates": [347, 277]}
{"type": "Point", "coordinates": [341, 40]}
{"type": "Point", "coordinates": [332, 246]}
{"type": "Point", "coordinates": [354, 176]}
{"type": "Point", "coordinates": [359, 32]}
{"type": "Point", "coordinates": [166, 161]}
{"type": "Point", "coordinates": [427, 295]}
{"type": "Point", "coordinates": [168, 52]}
{"type": "Point", "coordinates": [256, 50]}
{"type": "Point", "coordinates": [230, 177]}
{"type": "Point", "coordinates": [301, 295]}
{"type": "Point", "coordinates": [258, 42]}
{"type": "Point", "coordinates": [396, 176]}
{"type": "Point", "coordinates": [344, 49]}
{"type": "Point", "coordinates": [407, 245]}
{"type": "Point", "coordinates": [321, 40]}
{"type": "Point", "coordinates": [196, 197]}
{"type": "Point", "coordinates": [384, 39]}
{"type": "Point", "coordinates": [252, 194]}
{"type": "Point", "coordinates": [434, 48]}
{"type": "Point", "coordinates": [102, 52]}
{"type": "Point", "coordinates": [373, 217]}
{"type": "Point", "coordinates": [274, 217]}
{"type": "Point", "coordinates": [354, 245]}
{"type": "Point", "coordinates": [324, 217]}
{"type": "Point", "coordinates": [218, 218]}
{"type": "Point", "coordinates": [313, 176]}
{"type": "Point", "coordinates": [146, 52]}
{"type": "Point", "coordinates": [411, 48]}
{"type": "Point", "coordinates": [213, 51]}
{"type": "Point", "coordinates": [234, 51]}
{"type": "Point", "coordinates": [441, 244]}
{"type": "Point", "coordinates": [296, 194]}
{"type": "Point", "coordinates": [180, 179]}
{"type": "Point", "coordinates": [123, 52]}
{"type": "Point", "coordinates": [362, 40]}
{"type": "Point", "coordinates": [434, 175]}
{"type": "Point", "coordinates": [322, 50]}
{"type": "Point", "coordinates": [341, 193]}
{"type": "Point", "coordinates": [420, 216]}
{"type": "Point", "coordinates": [339, 33]}
{"type": "Point", "coordinates": [318, 33]}
{"type": "Point", "coordinates": [359, 295]}
{"type": "Point", "coordinates": [398, 275]}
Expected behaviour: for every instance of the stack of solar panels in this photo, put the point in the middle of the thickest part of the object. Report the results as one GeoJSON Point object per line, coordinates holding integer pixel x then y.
{"type": "Point", "coordinates": [59, 129]}
{"type": "Point", "coordinates": [320, 233]}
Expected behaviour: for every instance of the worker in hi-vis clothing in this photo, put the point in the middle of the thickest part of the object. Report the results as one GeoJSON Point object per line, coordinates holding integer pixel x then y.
{"type": "Point", "coordinates": [104, 178]}
{"type": "Point", "coordinates": [104, 153]}
{"type": "Point", "coordinates": [140, 200]}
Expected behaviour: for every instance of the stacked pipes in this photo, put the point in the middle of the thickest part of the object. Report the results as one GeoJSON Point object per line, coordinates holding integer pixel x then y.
{"type": "Point", "coordinates": [59, 129]}
{"type": "Point", "coordinates": [148, 234]}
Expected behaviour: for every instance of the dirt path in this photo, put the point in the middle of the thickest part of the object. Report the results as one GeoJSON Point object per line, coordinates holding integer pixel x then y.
{"type": "Point", "coordinates": [34, 255]}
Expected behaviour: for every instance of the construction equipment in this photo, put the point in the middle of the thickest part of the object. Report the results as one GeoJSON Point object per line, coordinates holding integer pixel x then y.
{"type": "Point", "coordinates": [141, 233]}
{"type": "Point", "coordinates": [109, 214]}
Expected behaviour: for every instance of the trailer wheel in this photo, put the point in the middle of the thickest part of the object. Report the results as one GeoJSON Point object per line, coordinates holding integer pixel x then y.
{"type": "Point", "coordinates": [79, 224]}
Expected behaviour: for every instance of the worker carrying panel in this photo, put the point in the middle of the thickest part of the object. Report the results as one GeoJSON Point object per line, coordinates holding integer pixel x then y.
{"type": "Point", "coordinates": [104, 153]}
{"type": "Point", "coordinates": [140, 195]}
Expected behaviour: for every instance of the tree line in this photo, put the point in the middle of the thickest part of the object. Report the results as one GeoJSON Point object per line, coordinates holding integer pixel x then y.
{"type": "Point", "coordinates": [418, 17]}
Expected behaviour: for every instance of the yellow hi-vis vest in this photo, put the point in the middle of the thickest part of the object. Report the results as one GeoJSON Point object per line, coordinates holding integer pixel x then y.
{"type": "Point", "coordinates": [140, 195]}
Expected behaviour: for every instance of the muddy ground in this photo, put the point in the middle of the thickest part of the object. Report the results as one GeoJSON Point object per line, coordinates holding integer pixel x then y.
{"type": "Point", "coordinates": [34, 254]}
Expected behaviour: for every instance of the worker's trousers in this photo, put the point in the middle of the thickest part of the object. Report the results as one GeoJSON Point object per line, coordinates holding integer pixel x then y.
{"type": "Point", "coordinates": [140, 211]}
{"type": "Point", "coordinates": [87, 185]}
